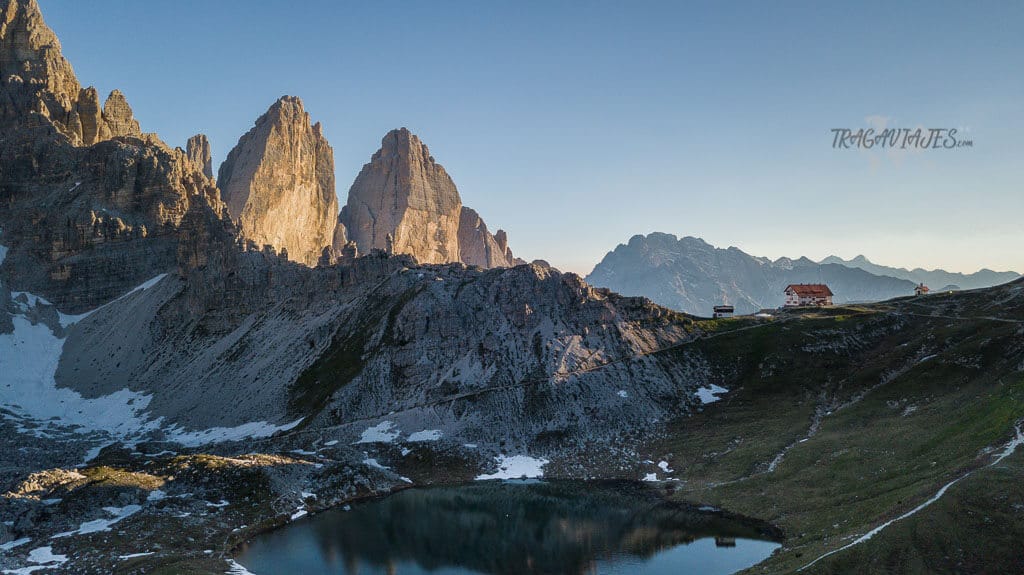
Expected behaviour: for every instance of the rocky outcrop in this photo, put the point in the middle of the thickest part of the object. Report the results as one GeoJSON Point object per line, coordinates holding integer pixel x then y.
{"type": "Point", "coordinates": [405, 202]}
{"type": "Point", "coordinates": [36, 79]}
{"type": "Point", "coordinates": [85, 217]}
{"type": "Point", "coordinates": [198, 150]}
{"type": "Point", "coordinates": [403, 193]}
{"type": "Point", "coordinates": [478, 247]}
{"type": "Point", "coordinates": [278, 183]}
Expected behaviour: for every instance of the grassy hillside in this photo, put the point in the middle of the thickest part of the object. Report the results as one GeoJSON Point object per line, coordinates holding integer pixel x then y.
{"type": "Point", "coordinates": [839, 422]}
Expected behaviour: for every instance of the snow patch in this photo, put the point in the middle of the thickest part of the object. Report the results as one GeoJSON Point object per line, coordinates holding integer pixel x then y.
{"type": "Point", "coordinates": [30, 355]}
{"type": "Point", "coordinates": [517, 466]}
{"type": "Point", "coordinates": [134, 555]}
{"type": "Point", "coordinates": [650, 477]}
{"type": "Point", "coordinates": [663, 465]}
{"type": "Point", "coordinates": [623, 393]}
{"type": "Point", "coordinates": [373, 463]}
{"type": "Point", "coordinates": [235, 569]}
{"type": "Point", "coordinates": [44, 557]}
{"type": "Point", "coordinates": [98, 525]}
{"type": "Point", "coordinates": [710, 393]}
{"type": "Point", "coordinates": [331, 443]}
{"type": "Point", "coordinates": [298, 514]}
{"type": "Point", "coordinates": [383, 432]}
{"type": "Point", "coordinates": [425, 435]}
{"type": "Point", "coordinates": [17, 542]}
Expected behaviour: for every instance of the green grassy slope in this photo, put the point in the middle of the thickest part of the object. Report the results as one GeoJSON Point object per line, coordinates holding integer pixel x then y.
{"type": "Point", "coordinates": [873, 410]}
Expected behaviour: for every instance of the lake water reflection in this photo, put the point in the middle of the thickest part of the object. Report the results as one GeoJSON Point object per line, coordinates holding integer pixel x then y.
{"type": "Point", "coordinates": [510, 528]}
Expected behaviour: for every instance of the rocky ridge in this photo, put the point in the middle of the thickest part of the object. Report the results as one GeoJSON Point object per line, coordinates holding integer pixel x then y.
{"type": "Point", "coordinates": [935, 279]}
{"type": "Point", "coordinates": [36, 79]}
{"type": "Point", "coordinates": [92, 205]}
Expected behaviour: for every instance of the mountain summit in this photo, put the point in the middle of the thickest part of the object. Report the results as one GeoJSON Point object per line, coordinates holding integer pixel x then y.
{"type": "Point", "coordinates": [278, 183]}
{"type": "Point", "coordinates": [403, 201]}
{"type": "Point", "coordinates": [38, 79]}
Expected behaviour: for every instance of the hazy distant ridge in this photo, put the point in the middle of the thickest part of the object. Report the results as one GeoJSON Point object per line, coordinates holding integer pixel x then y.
{"type": "Point", "coordinates": [934, 279]}
{"type": "Point", "coordinates": [691, 275]}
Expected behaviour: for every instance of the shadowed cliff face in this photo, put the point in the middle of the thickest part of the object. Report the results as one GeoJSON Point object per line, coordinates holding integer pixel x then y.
{"type": "Point", "coordinates": [502, 528]}
{"type": "Point", "coordinates": [278, 183]}
{"type": "Point", "coordinates": [91, 207]}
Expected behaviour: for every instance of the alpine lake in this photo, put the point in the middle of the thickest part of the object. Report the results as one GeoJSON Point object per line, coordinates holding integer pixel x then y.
{"type": "Point", "coordinates": [515, 527]}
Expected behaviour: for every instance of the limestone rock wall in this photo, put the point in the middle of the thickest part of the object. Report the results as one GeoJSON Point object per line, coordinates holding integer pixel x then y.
{"type": "Point", "coordinates": [403, 201]}
{"type": "Point", "coordinates": [478, 247]}
{"type": "Point", "coordinates": [278, 183]}
{"type": "Point", "coordinates": [198, 150]}
{"type": "Point", "coordinates": [35, 78]}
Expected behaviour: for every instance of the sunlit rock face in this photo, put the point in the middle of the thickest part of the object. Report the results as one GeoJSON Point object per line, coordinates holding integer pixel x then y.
{"type": "Point", "coordinates": [91, 205]}
{"type": "Point", "coordinates": [278, 183]}
{"type": "Point", "coordinates": [478, 247]}
{"type": "Point", "coordinates": [36, 79]}
{"type": "Point", "coordinates": [198, 150]}
{"type": "Point", "coordinates": [403, 201]}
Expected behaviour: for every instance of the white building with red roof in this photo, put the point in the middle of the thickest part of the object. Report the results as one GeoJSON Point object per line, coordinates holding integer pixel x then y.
{"type": "Point", "coordinates": [800, 295]}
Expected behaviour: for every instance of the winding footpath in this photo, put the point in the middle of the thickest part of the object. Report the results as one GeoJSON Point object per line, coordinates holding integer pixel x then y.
{"type": "Point", "coordinates": [1008, 450]}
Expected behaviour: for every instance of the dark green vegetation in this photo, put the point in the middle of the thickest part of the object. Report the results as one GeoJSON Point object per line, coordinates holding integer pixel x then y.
{"type": "Point", "coordinates": [839, 421]}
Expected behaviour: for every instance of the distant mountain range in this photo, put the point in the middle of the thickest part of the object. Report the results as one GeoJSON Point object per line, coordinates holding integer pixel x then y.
{"type": "Point", "coordinates": [935, 279]}
{"type": "Point", "coordinates": [691, 275]}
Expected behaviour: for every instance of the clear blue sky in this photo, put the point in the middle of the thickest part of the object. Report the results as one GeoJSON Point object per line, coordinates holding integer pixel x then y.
{"type": "Point", "coordinates": [575, 125]}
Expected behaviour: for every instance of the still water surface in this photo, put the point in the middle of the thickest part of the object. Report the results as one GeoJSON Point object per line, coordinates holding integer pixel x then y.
{"type": "Point", "coordinates": [506, 528]}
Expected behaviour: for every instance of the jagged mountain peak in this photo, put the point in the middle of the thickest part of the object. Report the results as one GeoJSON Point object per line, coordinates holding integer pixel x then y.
{"type": "Point", "coordinates": [36, 78]}
{"type": "Point", "coordinates": [198, 150]}
{"type": "Point", "coordinates": [403, 201]}
{"type": "Point", "coordinates": [278, 183]}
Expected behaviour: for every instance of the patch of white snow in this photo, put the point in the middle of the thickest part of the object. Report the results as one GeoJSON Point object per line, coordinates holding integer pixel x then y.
{"type": "Point", "coordinates": [710, 393]}
{"type": "Point", "coordinates": [16, 543]}
{"type": "Point", "coordinates": [234, 568]}
{"type": "Point", "coordinates": [98, 525]}
{"type": "Point", "coordinates": [383, 432]}
{"type": "Point", "coordinates": [373, 463]}
{"type": "Point", "coordinates": [425, 435]}
{"type": "Point", "coordinates": [517, 466]}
